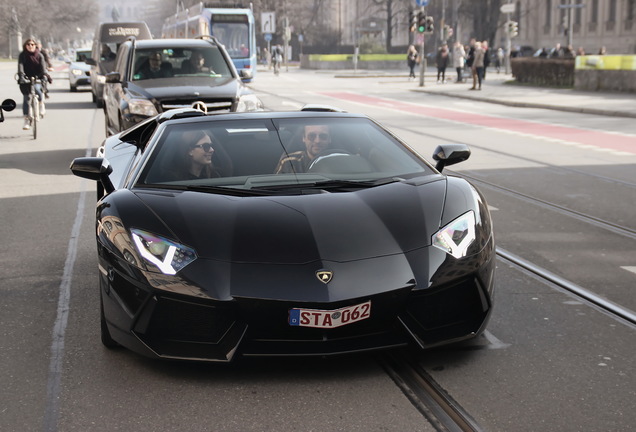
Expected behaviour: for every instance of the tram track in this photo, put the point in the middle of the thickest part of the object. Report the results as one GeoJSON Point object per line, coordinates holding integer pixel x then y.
{"type": "Point", "coordinates": [439, 408]}
{"type": "Point", "coordinates": [593, 220]}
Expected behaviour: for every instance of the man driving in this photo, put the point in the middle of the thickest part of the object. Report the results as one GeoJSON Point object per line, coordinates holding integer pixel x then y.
{"type": "Point", "coordinates": [316, 138]}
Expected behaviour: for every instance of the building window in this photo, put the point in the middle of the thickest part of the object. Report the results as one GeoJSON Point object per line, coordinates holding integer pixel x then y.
{"type": "Point", "coordinates": [611, 17]}
{"type": "Point", "coordinates": [631, 9]}
{"type": "Point", "coordinates": [548, 13]}
{"type": "Point", "coordinates": [594, 12]}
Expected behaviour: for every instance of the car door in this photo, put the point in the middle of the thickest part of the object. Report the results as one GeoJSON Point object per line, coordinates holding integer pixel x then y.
{"type": "Point", "coordinates": [113, 91]}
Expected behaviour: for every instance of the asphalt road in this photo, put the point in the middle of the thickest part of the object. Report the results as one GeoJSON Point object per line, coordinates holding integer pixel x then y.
{"type": "Point", "coordinates": [549, 360]}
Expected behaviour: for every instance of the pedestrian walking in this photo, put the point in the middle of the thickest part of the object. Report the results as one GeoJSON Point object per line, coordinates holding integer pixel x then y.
{"type": "Point", "coordinates": [411, 60]}
{"type": "Point", "coordinates": [459, 60]}
{"type": "Point", "coordinates": [442, 63]}
{"type": "Point", "coordinates": [478, 67]}
{"type": "Point", "coordinates": [499, 61]}
{"type": "Point", "coordinates": [486, 49]}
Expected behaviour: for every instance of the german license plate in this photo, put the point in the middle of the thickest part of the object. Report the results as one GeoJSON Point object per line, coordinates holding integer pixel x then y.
{"type": "Point", "coordinates": [329, 318]}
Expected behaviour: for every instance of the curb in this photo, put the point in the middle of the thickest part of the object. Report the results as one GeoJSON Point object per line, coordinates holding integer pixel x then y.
{"type": "Point", "coordinates": [581, 110]}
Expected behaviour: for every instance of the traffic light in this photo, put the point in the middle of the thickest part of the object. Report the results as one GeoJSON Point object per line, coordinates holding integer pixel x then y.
{"type": "Point", "coordinates": [421, 22]}
{"type": "Point", "coordinates": [513, 28]}
{"type": "Point", "coordinates": [429, 24]}
{"type": "Point", "coordinates": [448, 32]}
{"type": "Point", "coordinates": [412, 21]}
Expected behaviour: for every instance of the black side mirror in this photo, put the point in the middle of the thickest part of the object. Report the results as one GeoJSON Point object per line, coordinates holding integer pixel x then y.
{"type": "Point", "coordinates": [94, 168]}
{"type": "Point", "coordinates": [450, 154]}
{"type": "Point", "coordinates": [90, 61]}
{"type": "Point", "coordinates": [7, 105]}
{"type": "Point", "coordinates": [113, 77]}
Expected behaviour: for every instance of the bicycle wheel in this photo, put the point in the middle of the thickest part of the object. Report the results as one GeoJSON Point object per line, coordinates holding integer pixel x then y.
{"type": "Point", "coordinates": [35, 117]}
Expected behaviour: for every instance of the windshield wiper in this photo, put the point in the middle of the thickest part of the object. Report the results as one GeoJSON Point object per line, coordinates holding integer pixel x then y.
{"type": "Point", "coordinates": [330, 184]}
{"type": "Point", "coordinates": [221, 190]}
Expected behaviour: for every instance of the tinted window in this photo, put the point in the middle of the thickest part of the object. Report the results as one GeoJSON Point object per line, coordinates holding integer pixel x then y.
{"type": "Point", "coordinates": [250, 153]}
{"type": "Point", "coordinates": [179, 62]}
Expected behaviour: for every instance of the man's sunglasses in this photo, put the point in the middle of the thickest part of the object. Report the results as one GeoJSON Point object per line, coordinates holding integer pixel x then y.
{"type": "Point", "coordinates": [206, 147]}
{"type": "Point", "coordinates": [322, 135]}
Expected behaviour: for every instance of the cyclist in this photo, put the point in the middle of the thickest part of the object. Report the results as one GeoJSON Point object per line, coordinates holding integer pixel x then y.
{"type": "Point", "coordinates": [31, 64]}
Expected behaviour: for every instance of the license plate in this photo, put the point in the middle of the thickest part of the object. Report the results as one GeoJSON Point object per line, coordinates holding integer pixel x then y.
{"type": "Point", "coordinates": [329, 318]}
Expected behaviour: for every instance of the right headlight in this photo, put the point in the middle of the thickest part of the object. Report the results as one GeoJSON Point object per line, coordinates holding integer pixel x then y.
{"type": "Point", "coordinates": [160, 253]}
{"type": "Point", "coordinates": [457, 236]}
{"type": "Point", "coordinates": [142, 107]}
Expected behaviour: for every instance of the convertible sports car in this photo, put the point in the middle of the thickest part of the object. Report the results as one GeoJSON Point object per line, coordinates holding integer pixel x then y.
{"type": "Point", "coordinates": [315, 232]}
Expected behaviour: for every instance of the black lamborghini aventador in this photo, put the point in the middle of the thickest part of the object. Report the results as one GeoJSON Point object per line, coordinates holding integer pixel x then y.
{"type": "Point", "coordinates": [284, 233]}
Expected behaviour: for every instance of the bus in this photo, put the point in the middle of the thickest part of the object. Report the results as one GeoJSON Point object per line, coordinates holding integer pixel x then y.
{"type": "Point", "coordinates": [232, 27]}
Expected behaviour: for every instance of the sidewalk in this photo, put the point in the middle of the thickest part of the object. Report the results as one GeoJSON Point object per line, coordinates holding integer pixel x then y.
{"type": "Point", "coordinates": [501, 89]}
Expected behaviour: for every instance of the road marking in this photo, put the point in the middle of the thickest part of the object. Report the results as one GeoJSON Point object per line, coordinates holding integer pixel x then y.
{"type": "Point", "coordinates": [589, 139]}
{"type": "Point", "coordinates": [629, 268]}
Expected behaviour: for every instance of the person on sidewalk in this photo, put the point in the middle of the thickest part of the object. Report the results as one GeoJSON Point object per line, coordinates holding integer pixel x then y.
{"type": "Point", "coordinates": [478, 66]}
{"type": "Point", "coordinates": [31, 64]}
{"type": "Point", "coordinates": [470, 57]}
{"type": "Point", "coordinates": [442, 63]}
{"type": "Point", "coordinates": [499, 59]}
{"type": "Point", "coordinates": [459, 60]}
{"type": "Point", "coordinates": [411, 60]}
{"type": "Point", "coordinates": [486, 49]}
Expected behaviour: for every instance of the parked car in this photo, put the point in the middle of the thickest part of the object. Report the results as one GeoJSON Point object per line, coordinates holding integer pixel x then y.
{"type": "Point", "coordinates": [133, 93]}
{"type": "Point", "coordinates": [284, 233]}
{"type": "Point", "coordinates": [79, 72]}
{"type": "Point", "coordinates": [108, 37]}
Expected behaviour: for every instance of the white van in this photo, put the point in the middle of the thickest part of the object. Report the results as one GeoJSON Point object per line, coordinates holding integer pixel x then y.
{"type": "Point", "coordinates": [108, 37]}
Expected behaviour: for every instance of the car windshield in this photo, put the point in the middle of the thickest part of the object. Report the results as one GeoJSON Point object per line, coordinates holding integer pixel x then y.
{"type": "Point", "coordinates": [82, 55]}
{"type": "Point", "coordinates": [279, 155]}
{"type": "Point", "coordinates": [169, 62]}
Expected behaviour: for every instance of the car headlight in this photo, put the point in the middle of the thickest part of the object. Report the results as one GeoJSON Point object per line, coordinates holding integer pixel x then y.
{"type": "Point", "coordinates": [457, 236]}
{"type": "Point", "coordinates": [167, 256]}
{"type": "Point", "coordinates": [142, 107]}
{"type": "Point", "coordinates": [77, 72]}
{"type": "Point", "coordinates": [101, 79]}
{"type": "Point", "coordinates": [249, 102]}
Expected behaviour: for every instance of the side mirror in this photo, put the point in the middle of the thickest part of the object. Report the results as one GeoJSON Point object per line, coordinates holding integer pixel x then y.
{"type": "Point", "coordinates": [245, 74]}
{"type": "Point", "coordinates": [90, 61]}
{"type": "Point", "coordinates": [450, 154]}
{"type": "Point", "coordinates": [7, 105]}
{"type": "Point", "coordinates": [113, 78]}
{"type": "Point", "coordinates": [94, 168]}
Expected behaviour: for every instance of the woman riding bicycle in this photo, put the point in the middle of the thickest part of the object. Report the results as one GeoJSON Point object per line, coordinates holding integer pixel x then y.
{"type": "Point", "coordinates": [31, 64]}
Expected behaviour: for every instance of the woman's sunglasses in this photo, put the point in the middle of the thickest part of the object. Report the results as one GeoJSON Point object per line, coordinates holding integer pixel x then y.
{"type": "Point", "coordinates": [206, 147]}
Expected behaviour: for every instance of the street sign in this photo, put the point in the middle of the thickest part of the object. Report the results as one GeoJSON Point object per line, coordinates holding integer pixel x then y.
{"type": "Point", "coordinates": [421, 2]}
{"type": "Point", "coordinates": [268, 22]}
{"type": "Point", "coordinates": [268, 37]}
{"type": "Point", "coordinates": [507, 8]}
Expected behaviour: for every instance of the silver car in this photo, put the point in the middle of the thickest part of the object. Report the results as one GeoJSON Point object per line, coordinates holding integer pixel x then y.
{"type": "Point", "coordinates": [79, 71]}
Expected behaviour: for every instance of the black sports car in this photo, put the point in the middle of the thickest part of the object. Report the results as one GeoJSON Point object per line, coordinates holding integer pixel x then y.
{"type": "Point", "coordinates": [284, 233]}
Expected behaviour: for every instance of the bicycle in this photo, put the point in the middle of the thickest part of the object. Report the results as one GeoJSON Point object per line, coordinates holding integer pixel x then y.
{"type": "Point", "coordinates": [34, 106]}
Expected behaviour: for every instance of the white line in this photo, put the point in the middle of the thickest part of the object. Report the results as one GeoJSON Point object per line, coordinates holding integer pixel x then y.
{"type": "Point", "coordinates": [52, 410]}
{"type": "Point", "coordinates": [629, 268]}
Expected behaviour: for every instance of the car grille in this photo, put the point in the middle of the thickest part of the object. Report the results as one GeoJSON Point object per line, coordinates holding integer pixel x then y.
{"type": "Point", "coordinates": [213, 105]}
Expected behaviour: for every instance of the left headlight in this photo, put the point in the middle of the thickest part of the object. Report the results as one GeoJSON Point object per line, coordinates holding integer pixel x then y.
{"type": "Point", "coordinates": [77, 72]}
{"type": "Point", "coordinates": [167, 256]}
{"type": "Point", "coordinates": [457, 236]}
{"type": "Point", "coordinates": [142, 107]}
{"type": "Point", "coordinates": [249, 102]}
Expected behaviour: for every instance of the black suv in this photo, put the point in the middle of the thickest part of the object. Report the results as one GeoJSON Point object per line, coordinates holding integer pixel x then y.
{"type": "Point", "coordinates": [152, 76]}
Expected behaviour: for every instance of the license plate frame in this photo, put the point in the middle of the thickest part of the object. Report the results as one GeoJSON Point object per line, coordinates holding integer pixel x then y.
{"type": "Point", "coordinates": [327, 319]}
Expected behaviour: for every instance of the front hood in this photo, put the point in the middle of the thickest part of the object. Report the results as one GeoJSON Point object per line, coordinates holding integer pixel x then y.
{"type": "Point", "coordinates": [337, 227]}
{"type": "Point", "coordinates": [187, 88]}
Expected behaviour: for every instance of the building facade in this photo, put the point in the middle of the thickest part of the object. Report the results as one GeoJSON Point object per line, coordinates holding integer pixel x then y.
{"type": "Point", "coordinates": [590, 24]}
